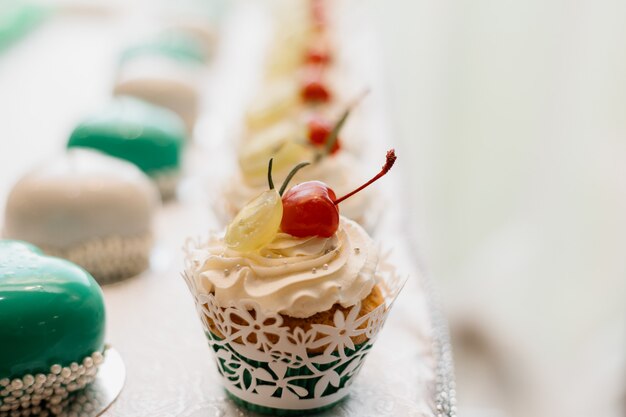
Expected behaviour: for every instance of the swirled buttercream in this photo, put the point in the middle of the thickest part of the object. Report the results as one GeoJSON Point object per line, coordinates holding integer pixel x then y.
{"type": "Point", "coordinates": [294, 276]}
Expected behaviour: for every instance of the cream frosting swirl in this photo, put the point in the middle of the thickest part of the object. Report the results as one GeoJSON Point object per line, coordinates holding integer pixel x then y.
{"type": "Point", "coordinates": [294, 276]}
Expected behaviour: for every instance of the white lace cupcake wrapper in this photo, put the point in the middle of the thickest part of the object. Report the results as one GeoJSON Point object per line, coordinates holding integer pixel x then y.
{"type": "Point", "coordinates": [49, 393]}
{"type": "Point", "coordinates": [271, 366]}
{"type": "Point", "coordinates": [109, 259]}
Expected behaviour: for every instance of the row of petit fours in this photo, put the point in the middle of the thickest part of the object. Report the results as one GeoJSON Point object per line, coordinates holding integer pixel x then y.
{"type": "Point", "coordinates": [91, 207]}
{"type": "Point", "coordinates": [94, 203]}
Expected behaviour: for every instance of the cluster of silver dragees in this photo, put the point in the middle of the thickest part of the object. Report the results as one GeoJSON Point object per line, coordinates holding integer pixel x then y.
{"type": "Point", "coordinates": [45, 394]}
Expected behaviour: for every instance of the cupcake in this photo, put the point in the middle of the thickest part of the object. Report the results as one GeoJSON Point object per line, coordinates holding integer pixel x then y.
{"type": "Point", "coordinates": [52, 324]}
{"type": "Point", "coordinates": [312, 138]}
{"type": "Point", "coordinates": [150, 137]}
{"type": "Point", "coordinates": [300, 69]}
{"type": "Point", "coordinates": [166, 71]}
{"type": "Point", "coordinates": [89, 208]}
{"type": "Point", "coordinates": [291, 298]}
{"type": "Point", "coordinates": [298, 30]}
{"type": "Point", "coordinates": [311, 88]}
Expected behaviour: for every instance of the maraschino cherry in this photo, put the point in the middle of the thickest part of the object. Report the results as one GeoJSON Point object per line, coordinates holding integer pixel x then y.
{"type": "Point", "coordinates": [323, 134]}
{"type": "Point", "coordinates": [311, 208]}
{"type": "Point", "coordinates": [318, 52]}
{"type": "Point", "coordinates": [313, 88]}
{"type": "Point", "coordinates": [319, 129]}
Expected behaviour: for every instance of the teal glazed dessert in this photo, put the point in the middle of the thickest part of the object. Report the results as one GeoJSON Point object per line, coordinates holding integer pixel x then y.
{"type": "Point", "coordinates": [89, 208]}
{"type": "Point", "coordinates": [166, 71]}
{"type": "Point", "coordinates": [172, 43]}
{"type": "Point", "coordinates": [150, 137]}
{"type": "Point", "coordinates": [52, 326]}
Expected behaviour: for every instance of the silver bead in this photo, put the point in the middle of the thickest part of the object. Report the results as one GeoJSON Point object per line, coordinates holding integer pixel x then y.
{"type": "Point", "coordinates": [88, 362]}
{"type": "Point", "coordinates": [325, 267]}
{"type": "Point", "coordinates": [56, 369]}
{"type": "Point", "coordinates": [226, 272]}
{"type": "Point", "coordinates": [28, 380]}
{"type": "Point", "coordinates": [17, 384]}
{"type": "Point", "coordinates": [97, 358]}
{"type": "Point", "coordinates": [314, 270]}
{"type": "Point", "coordinates": [66, 372]}
{"type": "Point", "coordinates": [56, 399]}
{"type": "Point", "coordinates": [237, 267]}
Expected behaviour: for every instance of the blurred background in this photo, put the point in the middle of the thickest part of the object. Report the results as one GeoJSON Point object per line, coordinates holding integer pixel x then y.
{"type": "Point", "coordinates": [515, 112]}
{"type": "Point", "coordinates": [513, 115]}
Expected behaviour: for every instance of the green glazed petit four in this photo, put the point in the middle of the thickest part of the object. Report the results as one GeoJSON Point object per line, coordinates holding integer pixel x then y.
{"type": "Point", "coordinates": [51, 312]}
{"type": "Point", "coordinates": [149, 136]}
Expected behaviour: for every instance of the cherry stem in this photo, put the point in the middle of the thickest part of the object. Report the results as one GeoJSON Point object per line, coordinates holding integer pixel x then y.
{"type": "Point", "coordinates": [334, 134]}
{"type": "Point", "coordinates": [269, 174]}
{"type": "Point", "coordinates": [293, 172]}
{"type": "Point", "coordinates": [391, 159]}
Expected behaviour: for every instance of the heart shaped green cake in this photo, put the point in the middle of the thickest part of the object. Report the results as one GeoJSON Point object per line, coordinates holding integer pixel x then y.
{"type": "Point", "coordinates": [52, 321]}
{"type": "Point", "coordinates": [149, 136]}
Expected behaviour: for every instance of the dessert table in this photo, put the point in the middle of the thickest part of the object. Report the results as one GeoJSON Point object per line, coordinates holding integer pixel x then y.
{"type": "Point", "coordinates": [50, 79]}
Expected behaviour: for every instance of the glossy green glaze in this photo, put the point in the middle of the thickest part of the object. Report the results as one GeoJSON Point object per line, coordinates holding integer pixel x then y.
{"type": "Point", "coordinates": [176, 45]}
{"type": "Point", "coordinates": [151, 137]}
{"type": "Point", "coordinates": [51, 311]}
